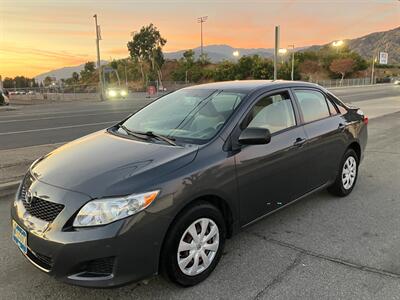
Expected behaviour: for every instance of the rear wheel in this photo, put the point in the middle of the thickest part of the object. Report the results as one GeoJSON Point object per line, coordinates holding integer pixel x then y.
{"type": "Point", "coordinates": [194, 245]}
{"type": "Point", "coordinates": [347, 175]}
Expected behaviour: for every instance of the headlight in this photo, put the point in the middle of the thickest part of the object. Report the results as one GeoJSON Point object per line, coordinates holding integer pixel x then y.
{"type": "Point", "coordinates": [112, 93]}
{"type": "Point", "coordinates": [104, 211]}
{"type": "Point", "coordinates": [124, 93]}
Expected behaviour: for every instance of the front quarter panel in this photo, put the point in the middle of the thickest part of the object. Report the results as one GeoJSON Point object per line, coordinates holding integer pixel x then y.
{"type": "Point", "coordinates": [211, 174]}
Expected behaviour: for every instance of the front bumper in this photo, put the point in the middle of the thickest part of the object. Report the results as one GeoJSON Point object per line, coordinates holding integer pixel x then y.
{"type": "Point", "coordinates": [103, 256]}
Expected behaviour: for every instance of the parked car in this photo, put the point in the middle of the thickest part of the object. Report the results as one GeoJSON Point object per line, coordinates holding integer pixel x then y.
{"type": "Point", "coordinates": [4, 97]}
{"type": "Point", "coordinates": [161, 190]}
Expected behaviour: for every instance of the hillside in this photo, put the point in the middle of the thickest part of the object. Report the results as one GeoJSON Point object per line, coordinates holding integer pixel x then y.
{"type": "Point", "coordinates": [388, 41]}
{"type": "Point", "coordinates": [366, 46]}
{"type": "Point", "coordinates": [63, 73]}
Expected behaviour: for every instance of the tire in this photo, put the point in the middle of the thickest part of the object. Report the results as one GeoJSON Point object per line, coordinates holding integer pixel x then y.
{"type": "Point", "coordinates": [342, 187]}
{"type": "Point", "coordinates": [180, 235]}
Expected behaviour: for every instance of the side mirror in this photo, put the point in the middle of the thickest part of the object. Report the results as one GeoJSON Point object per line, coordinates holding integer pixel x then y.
{"type": "Point", "coordinates": [255, 136]}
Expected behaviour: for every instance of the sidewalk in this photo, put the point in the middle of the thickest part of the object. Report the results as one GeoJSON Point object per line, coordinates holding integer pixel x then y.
{"type": "Point", "coordinates": [15, 162]}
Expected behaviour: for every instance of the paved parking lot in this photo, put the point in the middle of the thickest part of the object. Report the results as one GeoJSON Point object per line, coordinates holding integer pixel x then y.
{"type": "Point", "coordinates": [320, 247]}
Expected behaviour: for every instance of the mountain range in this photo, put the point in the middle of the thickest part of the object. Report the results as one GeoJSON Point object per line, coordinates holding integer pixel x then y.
{"type": "Point", "coordinates": [63, 73]}
{"type": "Point", "coordinates": [371, 44]}
{"type": "Point", "coordinates": [366, 46]}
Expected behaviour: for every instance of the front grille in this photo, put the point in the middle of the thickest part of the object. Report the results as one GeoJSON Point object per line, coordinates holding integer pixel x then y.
{"type": "Point", "coordinates": [102, 266]}
{"type": "Point", "coordinates": [37, 207]}
{"type": "Point", "coordinates": [42, 209]}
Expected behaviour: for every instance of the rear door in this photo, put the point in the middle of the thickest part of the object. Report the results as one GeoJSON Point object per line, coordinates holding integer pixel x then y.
{"type": "Point", "coordinates": [326, 140]}
{"type": "Point", "coordinates": [270, 175]}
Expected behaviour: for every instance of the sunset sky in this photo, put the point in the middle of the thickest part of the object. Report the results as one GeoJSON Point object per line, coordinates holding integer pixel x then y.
{"type": "Point", "coordinates": [40, 35]}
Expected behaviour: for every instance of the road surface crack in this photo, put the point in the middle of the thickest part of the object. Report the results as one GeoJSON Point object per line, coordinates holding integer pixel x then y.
{"type": "Point", "coordinates": [328, 258]}
{"type": "Point", "coordinates": [278, 279]}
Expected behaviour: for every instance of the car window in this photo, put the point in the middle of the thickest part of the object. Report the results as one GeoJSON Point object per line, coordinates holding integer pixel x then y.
{"type": "Point", "coordinates": [313, 105]}
{"type": "Point", "coordinates": [226, 102]}
{"type": "Point", "coordinates": [274, 112]}
{"type": "Point", "coordinates": [191, 115]}
{"type": "Point", "coordinates": [332, 107]}
{"type": "Point", "coordinates": [339, 104]}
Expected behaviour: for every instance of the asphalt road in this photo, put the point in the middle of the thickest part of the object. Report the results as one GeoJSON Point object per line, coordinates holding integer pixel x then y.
{"type": "Point", "coordinates": [356, 94]}
{"type": "Point", "coordinates": [53, 123]}
{"type": "Point", "coordinates": [322, 247]}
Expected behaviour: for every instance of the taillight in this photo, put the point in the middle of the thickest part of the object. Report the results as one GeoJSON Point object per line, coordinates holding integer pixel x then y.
{"type": "Point", "coordinates": [365, 120]}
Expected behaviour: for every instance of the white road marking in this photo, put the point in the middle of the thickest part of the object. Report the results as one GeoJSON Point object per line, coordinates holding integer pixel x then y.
{"type": "Point", "coordinates": [63, 117]}
{"type": "Point", "coordinates": [57, 128]}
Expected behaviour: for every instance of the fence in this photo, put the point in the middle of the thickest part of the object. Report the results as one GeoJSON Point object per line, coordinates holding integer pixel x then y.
{"type": "Point", "coordinates": [90, 92]}
{"type": "Point", "coordinates": [341, 83]}
{"type": "Point", "coordinates": [352, 81]}
{"type": "Point", "coordinates": [85, 92]}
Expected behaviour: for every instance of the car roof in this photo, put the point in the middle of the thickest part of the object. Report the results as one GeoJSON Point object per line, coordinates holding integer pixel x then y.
{"type": "Point", "coordinates": [252, 85]}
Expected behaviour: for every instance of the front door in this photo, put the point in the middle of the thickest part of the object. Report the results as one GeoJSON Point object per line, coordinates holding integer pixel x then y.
{"type": "Point", "coordinates": [271, 175]}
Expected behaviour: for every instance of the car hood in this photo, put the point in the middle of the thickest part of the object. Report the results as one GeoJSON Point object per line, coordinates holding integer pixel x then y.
{"type": "Point", "coordinates": [103, 164]}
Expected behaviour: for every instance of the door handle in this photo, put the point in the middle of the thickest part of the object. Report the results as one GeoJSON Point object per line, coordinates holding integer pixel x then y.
{"type": "Point", "coordinates": [299, 142]}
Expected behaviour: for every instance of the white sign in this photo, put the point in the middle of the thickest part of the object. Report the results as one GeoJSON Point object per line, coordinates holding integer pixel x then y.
{"type": "Point", "coordinates": [383, 58]}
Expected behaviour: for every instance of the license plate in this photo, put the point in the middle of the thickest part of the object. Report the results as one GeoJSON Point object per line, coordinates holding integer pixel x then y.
{"type": "Point", "coordinates": [19, 236]}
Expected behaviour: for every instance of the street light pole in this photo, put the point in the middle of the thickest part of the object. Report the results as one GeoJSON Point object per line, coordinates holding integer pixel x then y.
{"type": "Point", "coordinates": [277, 30]}
{"type": "Point", "coordinates": [292, 73]}
{"type": "Point", "coordinates": [201, 20]}
{"type": "Point", "coordinates": [98, 38]}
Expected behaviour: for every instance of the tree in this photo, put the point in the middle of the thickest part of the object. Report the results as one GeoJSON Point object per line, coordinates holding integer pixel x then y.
{"type": "Point", "coordinates": [226, 70]}
{"type": "Point", "coordinates": [146, 47]}
{"type": "Point", "coordinates": [188, 58]}
{"type": "Point", "coordinates": [75, 77]}
{"type": "Point", "coordinates": [309, 68]}
{"type": "Point", "coordinates": [187, 68]}
{"type": "Point", "coordinates": [88, 72]}
{"type": "Point", "coordinates": [19, 82]}
{"type": "Point", "coordinates": [263, 68]}
{"type": "Point", "coordinates": [47, 81]}
{"type": "Point", "coordinates": [342, 66]}
{"type": "Point", "coordinates": [245, 66]}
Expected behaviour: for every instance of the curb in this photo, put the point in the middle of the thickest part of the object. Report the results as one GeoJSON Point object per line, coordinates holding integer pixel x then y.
{"type": "Point", "coordinates": [8, 188]}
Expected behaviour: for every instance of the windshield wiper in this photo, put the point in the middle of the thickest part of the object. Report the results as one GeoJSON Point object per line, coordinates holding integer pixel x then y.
{"type": "Point", "coordinates": [146, 135]}
{"type": "Point", "coordinates": [132, 133]}
{"type": "Point", "coordinates": [159, 137]}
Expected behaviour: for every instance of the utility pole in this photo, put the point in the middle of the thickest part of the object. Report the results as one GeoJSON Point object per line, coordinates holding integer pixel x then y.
{"type": "Point", "coordinates": [126, 76]}
{"type": "Point", "coordinates": [98, 38]}
{"type": "Point", "coordinates": [373, 69]}
{"type": "Point", "coordinates": [292, 74]}
{"type": "Point", "coordinates": [201, 20]}
{"type": "Point", "coordinates": [277, 33]}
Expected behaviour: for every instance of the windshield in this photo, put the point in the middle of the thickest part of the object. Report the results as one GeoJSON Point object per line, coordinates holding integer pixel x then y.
{"type": "Point", "coordinates": [191, 115]}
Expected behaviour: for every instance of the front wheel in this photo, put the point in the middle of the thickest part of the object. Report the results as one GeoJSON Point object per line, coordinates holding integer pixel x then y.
{"type": "Point", "coordinates": [347, 175]}
{"type": "Point", "coordinates": [194, 245]}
